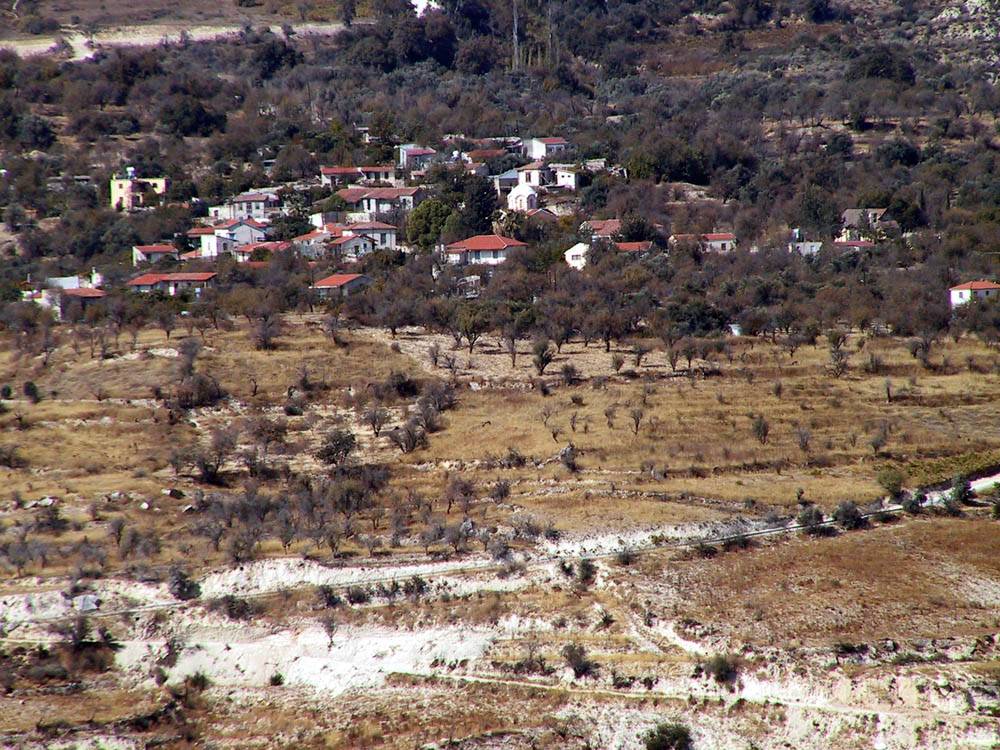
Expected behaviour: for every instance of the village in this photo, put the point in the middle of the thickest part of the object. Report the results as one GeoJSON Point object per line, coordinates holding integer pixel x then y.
{"type": "Point", "coordinates": [373, 204]}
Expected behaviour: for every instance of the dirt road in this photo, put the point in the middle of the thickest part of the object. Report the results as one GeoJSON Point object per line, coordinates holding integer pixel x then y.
{"type": "Point", "coordinates": [83, 46]}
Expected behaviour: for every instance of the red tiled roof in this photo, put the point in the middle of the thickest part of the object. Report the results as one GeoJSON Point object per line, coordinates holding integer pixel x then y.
{"type": "Point", "coordinates": [337, 280]}
{"type": "Point", "coordinates": [154, 249]}
{"type": "Point", "coordinates": [378, 168]}
{"type": "Point", "coordinates": [634, 247]}
{"type": "Point", "coordinates": [352, 195]}
{"type": "Point", "coordinates": [339, 170]}
{"type": "Point", "coordinates": [85, 292]}
{"type": "Point", "coordinates": [192, 255]}
{"type": "Point", "coordinates": [605, 226]}
{"type": "Point", "coordinates": [719, 237]}
{"type": "Point", "coordinates": [419, 151]}
{"type": "Point", "coordinates": [198, 231]}
{"type": "Point", "coordinates": [976, 286]}
{"type": "Point", "coordinates": [555, 141]}
{"type": "Point", "coordinates": [389, 194]}
{"type": "Point", "coordinates": [486, 242]}
{"type": "Point", "coordinates": [348, 237]}
{"type": "Point", "coordinates": [147, 279]}
{"type": "Point", "coordinates": [235, 222]}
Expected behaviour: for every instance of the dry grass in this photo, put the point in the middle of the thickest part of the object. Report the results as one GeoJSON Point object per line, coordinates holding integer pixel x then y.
{"type": "Point", "coordinates": [922, 578]}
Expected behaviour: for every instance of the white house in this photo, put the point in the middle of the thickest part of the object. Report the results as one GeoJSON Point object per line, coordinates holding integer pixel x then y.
{"type": "Point", "coordinates": [350, 241]}
{"type": "Point", "coordinates": [713, 242]}
{"type": "Point", "coordinates": [486, 249]}
{"type": "Point", "coordinates": [536, 173]}
{"type": "Point", "coordinates": [567, 177]}
{"type": "Point", "coordinates": [576, 256]}
{"type": "Point", "coordinates": [542, 148]}
{"type": "Point", "coordinates": [259, 206]}
{"type": "Point", "coordinates": [965, 293]}
{"type": "Point", "coordinates": [522, 198]}
{"type": "Point", "coordinates": [241, 231]}
{"type": "Point", "coordinates": [171, 284]}
{"type": "Point", "coordinates": [414, 156]}
{"type": "Point", "coordinates": [153, 253]}
{"type": "Point", "coordinates": [866, 224]}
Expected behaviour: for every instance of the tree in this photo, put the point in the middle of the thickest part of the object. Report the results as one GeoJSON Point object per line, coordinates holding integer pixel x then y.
{"type": "Point", "coordinates": [337, 447]}
{"type": "Point", "coordinates": [891, 480]}
{"type": "Point", "coordinates": [165, 319]}
{"type": "Point", "coordinates": [543, 354]}
{"type": "Point", "coordinates": [474, 320]}
{"type": "Point", "coordinates": [761, 429]}
{"type": "Point", "coordinates": [810, 519]}
{"type": "Point", "coordinates": [668, 736]}
{"type": "Point", "coordinates": [426, 222]}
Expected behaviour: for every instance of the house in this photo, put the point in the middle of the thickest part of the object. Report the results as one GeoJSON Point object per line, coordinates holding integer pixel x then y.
{"type": "Point", "coordinates": [210, 244]}
{"type": "Point", "coordinates": [536, 173]}
{"type": "Point", "coordinates": [970, 291]}
{"type": "Point", "coordinates": [541, 214]}
{"type": "Point", "coordinates": [413, 156]}
{"type": "Point", "coordinates": [713, 242]}
{"type": "Point", "coordinates": [505, 181]}
{"type": "Point", "coordinates": [384, 173]}
{"type": "Point", "coordinates": [130, 193]}
{"type": "Point", "coordinates": [866, 224]}
{"type": "Point", "coordinates": [799, 244]}
{"type": "Point", "coordinates": [522, 198]}
{"type": "Point", "coordinates": [602, 228]}
{"type": "Point", "coordinates": [387, 201]}
{"type": "Point", "coordinates": [153, 253]}
{"type": "Point", "coordinates": [61, 289]}
{"type": "Point", "coordinates": [542, 148]}
{"type": "Point", "coordinates": [245, 253]}
{"type": "Point", "coordinates": [259, 206]}
{"type": "Point", "coordinates": [639, 248]}
{"type": "Point", "coordinates": [341, 284]}
{"type": "Point", "coordinates": [172, 284]}
{"type": "Point", "coordinates": [576, 256]}
{"type": "Point", "coordinates": [241, 231]}
{"type": "Point", "coordinates": [350, 241]}
{"type": "Point", "coordinates": [567, 177]}
{"type": "Point", "coordinates": [484, 154]}
{"type": "Point", "coordinates": [486, 249]}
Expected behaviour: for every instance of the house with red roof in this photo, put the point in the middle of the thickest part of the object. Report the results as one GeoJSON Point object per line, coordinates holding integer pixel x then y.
{"type": "Point", "coordinates": [259, 206]}
{"type": "Point", "coordinates": [341, 285]}
{"type": "Point", "coordinates": [602, 228]}
{"type": "Point", "coordinates": [414, 156]}
{"type": "Point", "coordinates": [483, 249]}
{"type": "Point", "coordinates": [543, 148]}
{"type": "Point", "coordinates": [153, 253]}
{"type": "Point", "coordinates": [348, 241]}
{"type": "Point", "coordinates": [639, 248]}
{"type": "Point", "coordinates": [172, 284]}
{"type": "Point", "coordinates": [973, 291]}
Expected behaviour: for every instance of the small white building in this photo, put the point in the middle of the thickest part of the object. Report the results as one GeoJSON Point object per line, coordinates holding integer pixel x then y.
{"type": "Point", "coordinates": [576, 256]}
{"type": "Point", "coordinates": [522, 198]}
{"type": "Point", "coordinates": [536, 173]}
{"type": "Point", "coordinates": [971, 291]}
{"type": "Point", "coordinates": [485, 249]}
{"type": "Point", "coordinates": [542, 148]}
{"type": "Point", "coordinates": [153, 253]}
{"type": "Point", "coordinates": [567, 178]}
{"type": "Point", "coordinates": [259, 206]}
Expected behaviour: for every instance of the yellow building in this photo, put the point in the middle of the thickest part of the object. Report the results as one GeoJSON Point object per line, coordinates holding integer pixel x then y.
{"type": "Point", "coordinates": [131, 193]}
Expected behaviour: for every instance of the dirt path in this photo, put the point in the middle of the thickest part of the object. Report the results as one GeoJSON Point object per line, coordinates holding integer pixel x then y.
{"type": "Point", "coordinates": [83, 47]}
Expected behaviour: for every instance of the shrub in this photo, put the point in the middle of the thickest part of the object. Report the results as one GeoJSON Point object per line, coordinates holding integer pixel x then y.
{"type": "Point", "coordinates": [358, 595]}
{"type": "Point", "coordinates": [586, 571]}
{"type": "Point", "coordinates": [891, 480]}
{"type": "Point", "coordinates": [182, 587]}
{"type": "Point", "coordinates": [234, 607]}
{"type": "Point", "coordinates": [667, 736]}
{"type": "Point", "coordinates": [6, 392]}
{"type": "Point", "coordinates": [810, 519]}
{"type": "Point", "coordinates": [277, 679]}
{"type": "Point", "coordinates": [31, 392]}
{"type": "Point", "coordinates": [848, 515]}
{"type": "Point", "coordinates": [577, 659]}
{"type": "Point", "coordinates": [961, 490]}
{"type": "Point", "coordinates": [723, 668]}
{"type": "Point", "coordinates": [915, 503]}
{"type": "Point", "coordinates": [328, 597]}
{"type": "Point", "coordinates": [626, 556]}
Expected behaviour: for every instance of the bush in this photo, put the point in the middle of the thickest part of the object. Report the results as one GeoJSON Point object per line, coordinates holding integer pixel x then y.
{"type": "Point", "coordinates": [915, 503]}
{"type": "Point", "coordinates": [961, 490]}
{"type": "Point", "coordinates": [328, 597]}
{"type": "Point", "coordinates": [667, 736]}
{"type": "Point", "coordinates": [586, 571]}
{"type": "Point", "coordinates": [848, 516]}
{"type": "Point", "coordinates": [358, 595]}
{"type": "Point", "coordinates": [891, 480]}
{"type": "Point", "coordinates": [577, 659]}
{"type": "Point", "coordinates": [723, 668]}
{"type": "Point", "coordinates": [182, 587]}
{"type": "Point", "coordinates": [810, 518]}
{"type": "Point", "coordinates": [31, 392]}
{"type": "Point", "coordinates": [277, 679]}
{"type": "Point", "coordinates": [626, 556]}
{"type": "Point", "coordinates": [235, 608]}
